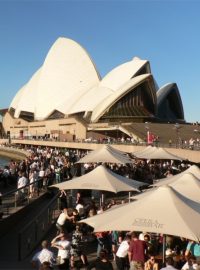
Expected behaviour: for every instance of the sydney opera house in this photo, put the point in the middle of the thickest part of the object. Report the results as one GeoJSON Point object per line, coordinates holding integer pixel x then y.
{"type": "Point", "coordinates": [66, 97]}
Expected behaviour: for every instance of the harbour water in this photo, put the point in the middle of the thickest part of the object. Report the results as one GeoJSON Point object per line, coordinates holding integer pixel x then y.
{"type": "Point", "coordinates": [3, 161]}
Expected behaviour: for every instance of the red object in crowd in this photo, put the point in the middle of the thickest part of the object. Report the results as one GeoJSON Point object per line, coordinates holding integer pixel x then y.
{"type": "Point", "coordinates": [150, 137]}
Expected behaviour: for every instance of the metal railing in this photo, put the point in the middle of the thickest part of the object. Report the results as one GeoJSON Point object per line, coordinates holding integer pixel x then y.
{"type": "Point", "coordinates": [11, 150]}
{"type": "Point", "coordinates": [179, 145]}
{"type": "Point", "coordinates": [32, 234]}
{"type": "Point", "coordinates": [17, 198]}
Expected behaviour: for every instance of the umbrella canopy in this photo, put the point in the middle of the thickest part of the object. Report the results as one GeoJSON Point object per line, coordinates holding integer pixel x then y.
{"type": "Point", "coordinates": [101, 178]}
{"type": "Point", "coordinates": [188, 185]}
{"type": "Point", "coordinates": [181, 216]}
{"type": "Point", "coordinates": [147, 149]}
{"type": "Point", "coordinates": [109, 147]}
{"type": "Point", "coordinates": [152, 152]}
{"type": "Point", "coordinates": [105, 154]}
{"type": "Point", "coordinates": [166, 181]}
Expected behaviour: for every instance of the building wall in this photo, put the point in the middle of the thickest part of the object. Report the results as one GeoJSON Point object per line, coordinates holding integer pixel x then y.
{"type": "Point", "coordinates": [64, 129]}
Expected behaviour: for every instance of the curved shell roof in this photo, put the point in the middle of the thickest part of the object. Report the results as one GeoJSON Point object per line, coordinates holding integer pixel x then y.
{"type": "Point", "coordinates": [163, 93]}
{"type": "Point", "coordinates": [67, 70]}
{"type": "Point", "coordinates": [26, 101]}
{"type": "Point", "coordinates": [111, 99]}
{"type": "Point", "coordinates": [112, 82]}
{"type": "Point", "coordinates": [68, 82]}
{"type": "Point", "coordinates": [121, 74]}
{"type": "Point", "coordinates": [90, 99]}
{"type": "Point", "coordinates": [17, 97]}
{"type": "Point", "coordinates": [165, 90]}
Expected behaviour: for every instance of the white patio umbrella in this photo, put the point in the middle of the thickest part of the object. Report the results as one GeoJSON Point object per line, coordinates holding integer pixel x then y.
{"type": "Point", "coordinates": [163, 210]}
{"type": "Point", "coordinates": [101, 179]}
{"type": "Point", "coordinates": [188, 185]}
{"type": "Point", "coordinates": [166, 181]}
{"type": "Point", "coordinates": [152, 152]}
{"type": "Point", "coordinates": [147, 149]}
{"type": "Point", "coordinates": [105, 154]}
{"type": "Point", "coordinates": [111, 148]}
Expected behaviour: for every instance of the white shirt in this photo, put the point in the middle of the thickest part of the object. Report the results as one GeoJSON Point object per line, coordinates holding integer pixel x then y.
{"type": "Point", "coordinates": [41, 173]}
{"type": "Point", "coordinates": [22, 182]}
{"type": "Point", "coordinates": [186, 266]}
{"type": "Point", "coordinates": [62, 218]}
{"type": "Point", "coordinates": [64, 253]}
{"type": "Point", "coordinates": [44, 255]}
{"type": "Point", "coordinates": [80, 209]}
{"type": "Point", "coordinates": [123, 249]}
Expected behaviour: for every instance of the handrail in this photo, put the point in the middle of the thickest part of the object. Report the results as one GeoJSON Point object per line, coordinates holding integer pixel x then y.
{"type": "Point", "coordinates": [14, 151]}
{"type": "Point", "coordinates": [33, 232]}
{"type": "Point", "coordinates": [142, 143]}
{"type": "Point", "coordinates": [43, 210]}
{"type": "Point", "coordinates": [13, 202]}
{"type": "Point", "coordinates": [17, 189]}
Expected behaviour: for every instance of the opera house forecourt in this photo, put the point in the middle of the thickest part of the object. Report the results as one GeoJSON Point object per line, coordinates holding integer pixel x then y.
{"type": "Point", "coordinates": [67, 98]}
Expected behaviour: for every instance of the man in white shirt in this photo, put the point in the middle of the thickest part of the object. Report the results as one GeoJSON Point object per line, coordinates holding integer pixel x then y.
{"type": "Point", "coordinates": [22, 182]}
{"type": "Point", "coordinates": [191, 263]}
{"type": "Point", "coordinates": [63, 217]}
{"type": "Point", "coordinates": [80, 209]}
{"type": "Point", "coordinates": [122, 252]}
{"type": "Point", "coordinates": [45, 255]}
{"type": "Point", "coordinates": [64, 246]}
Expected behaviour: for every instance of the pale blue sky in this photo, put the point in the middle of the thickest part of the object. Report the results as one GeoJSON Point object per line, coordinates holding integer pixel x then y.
{"type": "Point", "coordinates": [167, 33]}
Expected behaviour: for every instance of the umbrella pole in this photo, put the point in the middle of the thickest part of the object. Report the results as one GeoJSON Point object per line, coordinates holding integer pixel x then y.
{"type": "Point", "coordinates": [102, 199]}
{"type": "Point", "coordinates": [129, 197]}
{"type": "Point", "coordinates": [163, 255]}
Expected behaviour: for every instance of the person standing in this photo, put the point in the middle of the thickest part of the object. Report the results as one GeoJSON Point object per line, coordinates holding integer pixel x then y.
{"type": "Point", "coordinates": [32, 180]}
{"type": "Point", "coordinates": [190, 264]}
{"type": "Point", "coordinates": [122, 254]}
{"type": "Point", "coordinates": [64, 246]}
{"type": "Point", "coordinates": [63, 199]}
{"type": "Point", "coordinates": [137, 252]}
{"type": "Point", "coordinates": [77, 247]}
{"type": "Point", "coordinates": [193, 248]}
{"type": "Point", "coordinates": [63, 217]}
{"type": "Point", "coordinates": [21, 184]}
{"type": "Point", "coordinates": [45, 255]}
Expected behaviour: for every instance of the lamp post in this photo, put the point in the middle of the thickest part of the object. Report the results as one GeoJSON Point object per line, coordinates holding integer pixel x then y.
{"type": "Point", "coordinates": [197, 132]}
{"type": "Point", "coordinates": [177, 127]}
{"type": "Point", "coordinates": [146, 126]}
{"type": "Point", "coordinates": [74, 135]}
{"type": "Point", "coordinates": [59, 135]}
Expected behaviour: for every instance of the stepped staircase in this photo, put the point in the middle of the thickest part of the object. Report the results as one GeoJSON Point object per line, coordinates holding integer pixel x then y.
{"type": "Point", "coordinates": [165, 132]}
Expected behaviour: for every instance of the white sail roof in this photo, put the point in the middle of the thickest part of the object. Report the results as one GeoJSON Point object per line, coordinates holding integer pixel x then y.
{"type": "Point", "coordinates": [121, 74]}
{"type": "Point", "coordinates": [67, 71]}
{"type": "Point", "coordinates": [68, 82]}
{"type": "Point", "coordinates": [27, 101]}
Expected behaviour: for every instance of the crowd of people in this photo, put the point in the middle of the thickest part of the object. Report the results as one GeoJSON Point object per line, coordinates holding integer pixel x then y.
{"type": "Point", "coordinates": [121, 250]}
{"type": "Point", "coordinates": [54, 165]}
{"type": "Point", "coordinates": [125, 250]}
